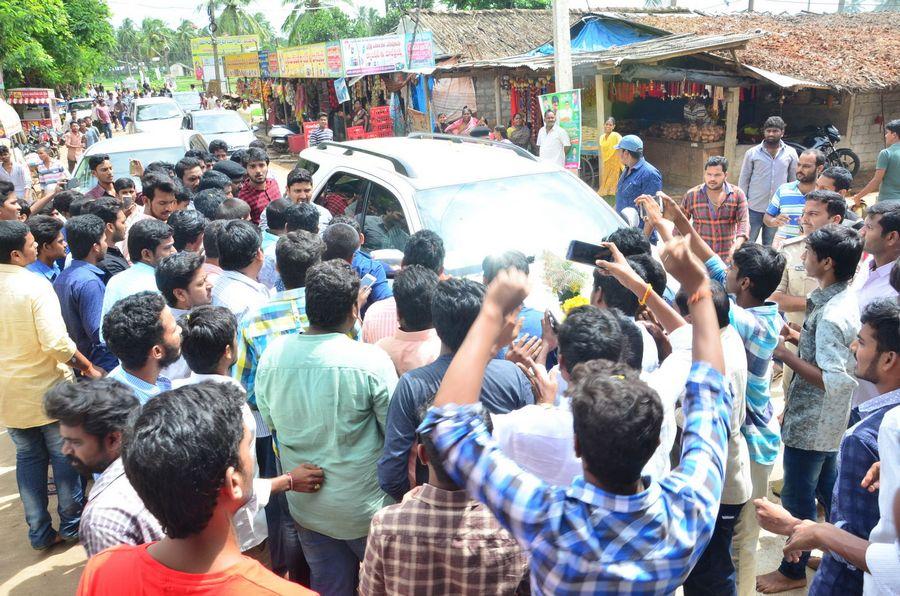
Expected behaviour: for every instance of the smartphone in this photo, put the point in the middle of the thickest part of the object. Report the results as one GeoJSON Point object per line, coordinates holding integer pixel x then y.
{"type": "Point", "coordinates": [658, 200]}
{"type": "Point", "coordinates": [589, 254]}
{"type": "Point", "coordinates": [554, 324]}
{"type": "Point", "coordinates": [367, 280]}
{"type": "Point", "coordinates": [134, 167]}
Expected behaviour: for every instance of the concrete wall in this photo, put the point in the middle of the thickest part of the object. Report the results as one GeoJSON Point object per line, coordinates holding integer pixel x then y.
{"type": "Point", "coordinates": [866, 136]}
{"type": "Point", "coordinates": [484, 96]}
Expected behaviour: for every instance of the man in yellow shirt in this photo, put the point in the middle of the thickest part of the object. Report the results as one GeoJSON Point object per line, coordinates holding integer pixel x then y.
{"type": "Point", "coordinates": [37, 354]}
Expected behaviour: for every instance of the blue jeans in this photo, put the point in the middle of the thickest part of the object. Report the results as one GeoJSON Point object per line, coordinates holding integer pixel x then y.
{"type": "Point", "coordinates": [808, 475]}
{"type": "Point", "coordinates": [37, 447]}
{"type": "Point", "coordinates": [333, 564]}
{"type": "Point", "coordinates": [756, 224]}
{"type": "Point", "coordinates": [714, 573]}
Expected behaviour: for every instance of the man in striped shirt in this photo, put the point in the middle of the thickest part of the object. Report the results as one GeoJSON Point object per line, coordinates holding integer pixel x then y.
{"type": "Point", "coordinates": [787, 203]}
{"type": "Point", "coordinates": [50, 171]}
{"type": "Point", "coordinates": [323, 133]}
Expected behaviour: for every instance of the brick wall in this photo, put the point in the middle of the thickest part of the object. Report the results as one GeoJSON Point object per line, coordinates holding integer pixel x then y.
{"type": "Point", "coordinates": [866, 136]}
{"type": "Point", "coordinates": [484, 96]}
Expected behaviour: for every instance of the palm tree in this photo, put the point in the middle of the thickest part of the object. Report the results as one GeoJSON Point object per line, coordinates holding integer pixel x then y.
{"type": "Point", "coordinates": [303, 25]}
{"type": "Point", "coordinates": [234, 19]}
{"type": "Point", "coordinates": [127, 39]}
{"type": "Point", "coordinates": [155, 39]}
{"type": "Point", "coordinates": [182, 37]}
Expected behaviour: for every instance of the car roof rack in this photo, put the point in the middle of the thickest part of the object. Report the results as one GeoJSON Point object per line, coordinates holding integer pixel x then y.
{"type": "Point", "coordinates": [460, 139]}
{"type": "Point", "coordinates": [400, 166]}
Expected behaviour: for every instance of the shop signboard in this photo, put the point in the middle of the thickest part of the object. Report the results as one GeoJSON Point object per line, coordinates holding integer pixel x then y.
{"type": "Point", "coordinates": [341, 91]}
{"type": "Point", "coordinates": [306, 62]}
{"type": "Point", "coordinates": [420, 53]}
{"type": "Point", "coordinates": [202, 52]}
{"type": "Point", "coordinates": [242, 65]}
{"type": "Point", "coordinates": [263, 57]}
{"type": "Point", "coordinates": [567, 105]}
{"type": "Point", "coordinates": [373, 55]}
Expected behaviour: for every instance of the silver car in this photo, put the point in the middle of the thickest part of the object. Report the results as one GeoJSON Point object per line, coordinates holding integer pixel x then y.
{"type": "Point", "coordinates": [154, 114]}
{"type": "Point", "coordinates": [224, 125]}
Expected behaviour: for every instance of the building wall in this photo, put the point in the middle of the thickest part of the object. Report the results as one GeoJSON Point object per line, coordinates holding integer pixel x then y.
{"type": "Point", "coordinates": [866, 136]}
{"type": "Point", "coordinates": [484, 96]}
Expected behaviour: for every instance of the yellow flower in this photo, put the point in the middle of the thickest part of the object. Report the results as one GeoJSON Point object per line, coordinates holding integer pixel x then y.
{"type": "Point", "coordinates": [575, 302]}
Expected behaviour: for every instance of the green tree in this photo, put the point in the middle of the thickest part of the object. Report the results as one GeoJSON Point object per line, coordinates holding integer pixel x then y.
{"type": "Point", "coordinates": [92, 32]}
{"type": "Point", "coordinates": [155, 39]}
{"type": "Point", "coordinates": [181, 39]}
{"type": "Point", "coordinates": [233, 18]}
{"type": "Point", "coordinates": [268, 37]}
{"type": "Point", "coordinates": [128, 41]}
{"type": "Point", "coordinates": [313, 24]}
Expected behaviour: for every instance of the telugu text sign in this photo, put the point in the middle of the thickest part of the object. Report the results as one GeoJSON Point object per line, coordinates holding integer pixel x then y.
{"type": "Point", "coordinates": [242, 65]}
{"type": "Point", "coordinates": [373, 55]}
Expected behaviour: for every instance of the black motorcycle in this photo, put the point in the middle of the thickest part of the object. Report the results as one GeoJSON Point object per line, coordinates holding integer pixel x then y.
{"type": "Point", "coordinates": [824, 139]}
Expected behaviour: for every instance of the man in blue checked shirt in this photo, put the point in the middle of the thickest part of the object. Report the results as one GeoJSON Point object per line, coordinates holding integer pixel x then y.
{"type": "Point", "coordinates": [611, 531]}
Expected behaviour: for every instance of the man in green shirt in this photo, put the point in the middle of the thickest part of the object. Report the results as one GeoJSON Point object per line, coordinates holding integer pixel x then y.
{"type": "Point", "coordinates": [326, 397]}
{"type": "Point", "coordinates": [887, 168]}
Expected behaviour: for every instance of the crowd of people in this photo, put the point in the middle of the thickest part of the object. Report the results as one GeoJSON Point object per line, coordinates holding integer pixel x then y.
{"type": "Point", "coordinates": [236, 381]}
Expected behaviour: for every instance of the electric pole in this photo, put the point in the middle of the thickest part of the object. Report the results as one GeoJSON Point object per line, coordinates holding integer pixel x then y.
{"type": "Point", "coordinates": [215, 47]}
{"type": "Point", "coordinates": [562, 46]}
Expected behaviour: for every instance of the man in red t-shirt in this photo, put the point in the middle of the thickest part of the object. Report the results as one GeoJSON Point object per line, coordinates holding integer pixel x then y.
{"type": "Point", "coordinates": [258, 190]}
{"type": "Point", "coordinates": [188, 458]}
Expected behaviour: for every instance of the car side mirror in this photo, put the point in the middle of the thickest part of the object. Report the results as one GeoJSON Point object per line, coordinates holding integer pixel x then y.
{"type": "Point", "coordinates": [391, 258]}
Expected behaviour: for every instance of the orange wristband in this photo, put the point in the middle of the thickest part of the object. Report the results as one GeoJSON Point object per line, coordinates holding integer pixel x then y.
{"type": "Point", "coordinates": [643, 300]}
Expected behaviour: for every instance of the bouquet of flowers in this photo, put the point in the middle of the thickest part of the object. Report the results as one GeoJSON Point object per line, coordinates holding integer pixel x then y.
{"type": "Point", "coordinates": [564, 280]}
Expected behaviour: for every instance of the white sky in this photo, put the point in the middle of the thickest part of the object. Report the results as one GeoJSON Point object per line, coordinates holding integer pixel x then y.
{"type": "Point", "coordinates": [173, 11]}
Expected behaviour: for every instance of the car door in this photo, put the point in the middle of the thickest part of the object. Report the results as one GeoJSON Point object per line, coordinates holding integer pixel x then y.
{"type": "Point", "coordinates": [385, 222]}
{"type": "Point", "coordinates": [343, 193]}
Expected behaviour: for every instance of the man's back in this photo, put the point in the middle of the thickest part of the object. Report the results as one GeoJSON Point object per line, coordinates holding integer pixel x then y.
{"type": "Point", "coordinates": [126, 570]}
{"type": "Point", "coordinates": [440, 542]}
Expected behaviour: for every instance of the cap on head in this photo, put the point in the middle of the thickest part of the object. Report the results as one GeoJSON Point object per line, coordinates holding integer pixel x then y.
{"type": "Point", "coordinates": [630, 143]}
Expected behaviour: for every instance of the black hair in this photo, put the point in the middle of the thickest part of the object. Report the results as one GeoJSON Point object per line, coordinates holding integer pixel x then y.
{"type": "Point", "coordinates": [82, 233]}
{"type": "Point", "coordinates": [425, 248]}
{"type": "Point", "coordinates": [7, 188]}
{"type": "Point", "coordinates": [207, 201]}
{"type": "Point", "coordinates": [160, 168]}
{"type": "Point", "coordinates": [331, 291]}
{"type": "Point", "coordinates": [841, 244]}
{"type": "Point", "coordinates": [630, 241]}
{"type": "Point", "coordinates": [12, 237]}
{"type": "Point", "coordinates": [511, 259]}
{"type": "Point", "coordinates": [720, 301]}
{"type": "Point", "coordinates": [275, 214]}
{"type": "Point", "coordinates": [615, 295]}
{"type": "Point", "coordinates": [717, 161]}
{"type": "Point", "coordinates": [195, 153]}
{"type": "Point", "coordinates": [99, 406]}
{"type": "Point", "coordinates": [590, 333]}
{"type": "Point", "coordinates": [175, 272]}
{"type": "Point", "coordinates": [654, 273]}
{"type": "Point", "coordinates": [256, 144]}
{"type": "Point", "coordinates": [763, 265]}
{"type": "Point", "coordinates": [78, 206]}
{"type": "Point", "coordinates": [147, 234]}
{"type": "Point", "coordinates": [834, 203]}
{"type": "Point", "coordinates": [298, 175]}
{"type": "Point", "coordinates": [239, 244]}
{"type": "Point", "coordinates": [455, 305]}
{"type": "Point", "coordinates": [206, 332]}
{"type": "Point", "coordinates": [633, 346]}
{"type": "Point", "coordinates": [341, 241]}
{"type": "Point", "coordinates": [177, 450]}
{"type": "Point", "coordinates": [254, 154]}
{"type": "Point", "coordinates": [883, 316]}
{"type": "Point", "coordinates": [96, 160]}
{"type": "Point", "coordinates": [133, 326]}
{"type": "Point", "coordinates": [123, 183]}
{"type": "Point", "coordinates": [774, 122]}
{"type": "Point", "coordinates": [617, 419]}
{"type": "Point", "coordinates": [231, 168]}
{"type": "Point", "coordinates": [895, 275]}
{"type": "Point", "coordinates": [842, 177]}
{"type": "Point", "coordinates": [301, 216]}
{"type": "Point", "coordinates": [890, 216]}
{"type": "Point", "coordinates": [62, 201]}
{"type": "Point", "coordinates": [185, 164]}
{"type": "Point", "coordinates": [182, 192]}
{"type": "Point", "coordinates": [211, 234]}
{"type": "Point", "coordinates": [212, 179]}
{"type": "Point", "coordinates": [216, 145]}
{"type": "Point", "coordinates": [413, 289]}
{"type": "Point", "coordinates": [106, 208]}
{"type": "Point", "coordinates": [323, 115]}
{"type": "Point", "coordinates": [820, 157]}
{"type": "Point", "coordinates": [44, 228]}
{"type": "Point", "coordinates": [233, 209]}
{"type": "Point", "coordinates": [151, 183]}
{"type": "Point", "coordinates": [187, 226]}
{"type": "Point", "coordinates": [893, 126]}
{"type": "Point", "coordinates": [295, 253]}
{"type": "Point", "coordinates": [346, 219]}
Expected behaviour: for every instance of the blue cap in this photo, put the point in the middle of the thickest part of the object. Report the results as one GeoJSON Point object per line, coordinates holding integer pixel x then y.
{"type": "Point", "coordinates": [630, 143]}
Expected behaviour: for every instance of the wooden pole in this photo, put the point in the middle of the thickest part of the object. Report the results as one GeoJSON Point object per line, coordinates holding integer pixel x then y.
{"type": "Point", "coordinates": [731, 124]}
{"type": "Point", "coordinates": [498, 105]}
{"type": "Point", "coordinates": [603, 112]}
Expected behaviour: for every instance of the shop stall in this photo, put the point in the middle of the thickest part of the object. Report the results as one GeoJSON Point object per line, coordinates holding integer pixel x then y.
{"type": "Point", "coordinates": [35, 107]}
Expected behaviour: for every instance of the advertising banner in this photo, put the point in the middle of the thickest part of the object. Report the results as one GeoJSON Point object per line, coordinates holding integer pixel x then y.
{"type": "Point", "coordinates": [202, 52]}
{"type": "Point", "coordinates": [341, 91]}
{"type": "Point", "coordinates": [242, 65]}
{"type": "Point", "coordinates": [420, 54]}
{"type": "Point", "coordinates": [373, 55]}
{"type": "Point", "coordinates": [567, 105]}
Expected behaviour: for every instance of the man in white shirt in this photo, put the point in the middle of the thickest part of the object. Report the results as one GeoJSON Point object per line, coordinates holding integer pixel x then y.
{"type": "Point", "coordinates": [552, 140]}
{"type": "Point", "coordinates": [241, 258]}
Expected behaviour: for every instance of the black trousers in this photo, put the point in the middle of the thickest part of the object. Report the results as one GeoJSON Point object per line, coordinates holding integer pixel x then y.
{"type": "Point", "coordinates": [714, 573]}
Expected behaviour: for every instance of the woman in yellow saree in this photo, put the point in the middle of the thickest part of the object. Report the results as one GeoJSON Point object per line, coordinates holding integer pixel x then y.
{"type": "Point", "coordinates": [612, 165]}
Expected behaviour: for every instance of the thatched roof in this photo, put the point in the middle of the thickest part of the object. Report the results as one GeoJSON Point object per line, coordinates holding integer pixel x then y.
{"type": "Point", "coordinates": [850, 51]}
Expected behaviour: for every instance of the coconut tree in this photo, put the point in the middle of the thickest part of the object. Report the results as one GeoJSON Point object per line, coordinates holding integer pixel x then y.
{"type": "Point", "coordinates": [155, 39]}
{"type": "Point", "coordinates": [233, 18]}
{"type": "Point", "coordinates": [181, 38]}
{"type": "Point", "coordinates": [127, 39]}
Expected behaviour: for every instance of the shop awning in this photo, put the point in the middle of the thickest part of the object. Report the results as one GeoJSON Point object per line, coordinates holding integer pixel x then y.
{"type": "Point", "coordinates": [31, 96]}
{"type": "Point", "coordinates": [784, 81]}
{"type": "Point", "coordinates": [9, 120]}
{"type": "Point", "coordinates": [654, 50]}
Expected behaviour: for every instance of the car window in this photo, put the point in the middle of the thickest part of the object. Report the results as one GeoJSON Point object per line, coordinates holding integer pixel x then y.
{"type": "Point", "coordinates": [219, 123]}
{"type": "Point", "coordinates": [157, 111]}
{"type": "Point", "coordinates": [343, 194]}
{"type": "Point", "coordinates": [80, 105]}
{"type": "Point", "coordinates": [82, 176]}
{"type": "Point", "coordinates": [308, 165]}
{"type": "Point", "coordinates": [385, 224]}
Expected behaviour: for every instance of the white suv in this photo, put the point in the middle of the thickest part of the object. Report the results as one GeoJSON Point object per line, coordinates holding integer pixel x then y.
{"type": "Point", "coordinates": [481, 197]}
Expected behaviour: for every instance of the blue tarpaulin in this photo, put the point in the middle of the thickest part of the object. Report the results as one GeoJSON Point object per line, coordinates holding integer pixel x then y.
{"type": "Point", "coordinates": [599, 34]}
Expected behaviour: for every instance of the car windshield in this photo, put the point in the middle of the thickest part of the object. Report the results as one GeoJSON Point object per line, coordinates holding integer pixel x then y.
{"type": "Point", "coordinates": [187, 101]}
{"type": "Point", "coordinates": [121, 161]}
{"type": "Point", "coordinates": [158, 111]}
{"type": "Point", "coordinates": [80, 105]}
{"type": "Point", "coordinates": [533, 214]}
{"type": "Point", "coordinates": [219, 123]}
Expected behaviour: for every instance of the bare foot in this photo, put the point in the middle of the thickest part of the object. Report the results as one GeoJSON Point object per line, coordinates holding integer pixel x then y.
{"type": "Point", "coordinates": [775, 582]}
{"type": "Point", "coordinates": [814, 562]}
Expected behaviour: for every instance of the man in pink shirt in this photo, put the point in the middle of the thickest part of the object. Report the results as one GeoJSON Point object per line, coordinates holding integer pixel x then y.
{"type": "Point", "coordinates": [415, 343]}
{"type": "Point", "coordinates": [105, 118]}
{"type": "Point", "coordinates": [423, 248]}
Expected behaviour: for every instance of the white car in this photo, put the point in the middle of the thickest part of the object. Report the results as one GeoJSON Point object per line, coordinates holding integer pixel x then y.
{"type": "Point", "coordinates": [79, 108]}
{"type": "Point", "coordinates": [145, 147]}
{"type": "Point", "coordinates": [154, 114]}
{"type": "Point", "coordinates": [189, 101]}
{"type": "Point", "coordinates": [225, 125]}
{"type": "Point", "coordinates": [481, 197]}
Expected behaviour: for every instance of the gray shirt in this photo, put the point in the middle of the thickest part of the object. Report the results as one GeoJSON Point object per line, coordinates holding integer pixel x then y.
{"type": "Point", "coordinates": [19, 177]}
{"type": "Point", "coordinates": [762, 174]}
{"type": "Point", "coordinates": [815, 419]}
